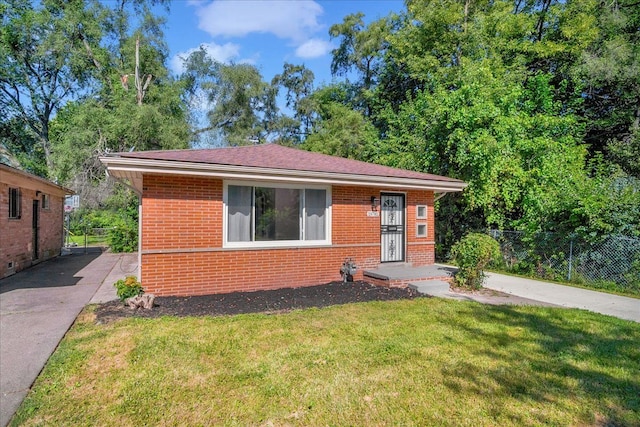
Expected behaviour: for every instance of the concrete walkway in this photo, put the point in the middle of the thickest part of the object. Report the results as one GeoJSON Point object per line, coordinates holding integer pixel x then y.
{"type": "Point", "coordinates": [38, 306]}
{"type": "Point", "coordinates": [566, 296]}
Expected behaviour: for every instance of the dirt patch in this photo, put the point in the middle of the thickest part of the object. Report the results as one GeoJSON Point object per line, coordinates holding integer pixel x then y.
{"type": "Point", "coordinates": [279, 300]}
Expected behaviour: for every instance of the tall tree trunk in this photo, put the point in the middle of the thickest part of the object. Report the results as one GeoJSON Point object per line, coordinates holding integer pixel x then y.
{"type": "Point", "coordinates": [140, 86]}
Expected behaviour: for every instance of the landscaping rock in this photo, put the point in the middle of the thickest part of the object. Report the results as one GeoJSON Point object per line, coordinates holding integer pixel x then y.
{"type": "Point", "coordinates": [141, 301]}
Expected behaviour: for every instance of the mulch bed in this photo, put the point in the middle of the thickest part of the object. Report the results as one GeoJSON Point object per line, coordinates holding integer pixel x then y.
{"type": "Point", "coordinates": [275, 301]}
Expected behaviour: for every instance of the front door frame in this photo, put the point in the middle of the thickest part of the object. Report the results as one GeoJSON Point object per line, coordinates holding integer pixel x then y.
{"type": "Point", "coordinates": [391, 250]}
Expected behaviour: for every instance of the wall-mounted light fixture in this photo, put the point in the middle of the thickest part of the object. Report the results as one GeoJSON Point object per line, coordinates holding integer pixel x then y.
{"type": "Point", "coordinates": [375, 202]}
{"type": "Point", "coordinates": [38, 192]}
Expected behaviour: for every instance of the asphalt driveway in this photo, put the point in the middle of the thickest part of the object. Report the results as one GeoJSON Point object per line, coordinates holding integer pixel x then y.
{"type": "Point", "coordinates": [38, 306]}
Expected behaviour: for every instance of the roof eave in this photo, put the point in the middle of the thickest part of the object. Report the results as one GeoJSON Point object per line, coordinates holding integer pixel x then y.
{"type": "Point", "coordinates": [128, 168]}
{"type": "Point", "coordinates": [59, 189]}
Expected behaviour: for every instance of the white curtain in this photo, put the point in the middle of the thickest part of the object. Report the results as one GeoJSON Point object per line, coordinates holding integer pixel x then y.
{"type": "Point", "coordinates": [239, 213]}
{"type": "Point", "coordinates": [315, 210]}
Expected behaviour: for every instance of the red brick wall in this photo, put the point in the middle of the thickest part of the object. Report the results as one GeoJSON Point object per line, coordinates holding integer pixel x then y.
{"type": "Point", "coordinates": [182, 253]}
{"type": "Point", "coordinates": [16, 235]}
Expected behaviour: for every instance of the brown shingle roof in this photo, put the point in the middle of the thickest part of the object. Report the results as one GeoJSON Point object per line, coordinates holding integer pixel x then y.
{"type": "Point", "coordinates": [273, 156]}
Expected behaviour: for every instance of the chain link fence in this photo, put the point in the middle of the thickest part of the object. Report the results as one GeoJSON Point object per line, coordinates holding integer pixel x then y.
{"type": "Point", "coordinates": [611, 263]}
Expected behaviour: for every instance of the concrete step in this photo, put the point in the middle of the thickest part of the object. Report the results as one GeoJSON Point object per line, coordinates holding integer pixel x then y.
{"type": "Point", "coordinates": [431, 287]}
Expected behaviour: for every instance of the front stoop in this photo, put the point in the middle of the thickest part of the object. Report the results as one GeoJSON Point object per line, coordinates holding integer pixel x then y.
{"type": "Point", "coordinates": [403, 276]}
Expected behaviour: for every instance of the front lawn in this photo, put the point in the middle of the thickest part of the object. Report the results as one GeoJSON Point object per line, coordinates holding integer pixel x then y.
{"type": "Point", "coordinates": [407, 362]}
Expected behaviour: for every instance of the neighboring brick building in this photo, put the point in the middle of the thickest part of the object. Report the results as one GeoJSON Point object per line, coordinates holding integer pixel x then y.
{"type": "Point", "coordinates": [31, 219]}
{"type": "Point", "coordinates": [267, 217]}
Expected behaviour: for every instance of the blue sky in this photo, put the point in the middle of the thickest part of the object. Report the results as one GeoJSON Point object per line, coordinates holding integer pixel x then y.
{"type": "Point", "coordinates": [265, 33]}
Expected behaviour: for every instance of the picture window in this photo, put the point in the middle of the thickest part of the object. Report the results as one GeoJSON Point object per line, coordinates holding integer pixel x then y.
{"type": "Point", "coordinates": [262, 215]}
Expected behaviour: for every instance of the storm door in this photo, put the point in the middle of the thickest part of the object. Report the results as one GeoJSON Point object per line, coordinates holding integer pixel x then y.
{"type": "Point", "coordinates": [392, 227]}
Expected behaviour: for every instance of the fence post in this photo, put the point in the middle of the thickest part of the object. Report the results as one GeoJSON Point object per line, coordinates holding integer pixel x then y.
{"type": "Point", "coordinates": [570, 258]}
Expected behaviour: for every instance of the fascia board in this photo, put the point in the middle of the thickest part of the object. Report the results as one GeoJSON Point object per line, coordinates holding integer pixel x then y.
{"type": "Point", "coordinates": [11, 176]}
{"type": "Point", "coordinates": [142, 166]}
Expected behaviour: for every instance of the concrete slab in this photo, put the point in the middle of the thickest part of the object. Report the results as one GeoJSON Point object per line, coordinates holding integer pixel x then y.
{"type": "Point", "coordinates": [126, 265]}
{"type": "Point", "coordinates": [566, 296]}
{"type": "Point", "coordinates": [441, 289]}
{"type": "Point", "coordinates": [431, 287]}
{"type": "Point", "coordinates": [37, 307]}
{"type": "Point", "coordinates": [403, 272]}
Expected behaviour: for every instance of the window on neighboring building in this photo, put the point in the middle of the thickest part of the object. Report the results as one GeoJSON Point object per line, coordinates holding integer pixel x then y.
{"type": "Point", "coordinates": [45, 201]}
{"type": "Point", "coordinates": [263, 215]}
{"type": "Point", "coordinates": [14, 203]}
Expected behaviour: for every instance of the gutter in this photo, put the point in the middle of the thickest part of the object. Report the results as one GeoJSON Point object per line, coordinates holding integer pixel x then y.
{"type": "Point", "coordinates": [120, 167]}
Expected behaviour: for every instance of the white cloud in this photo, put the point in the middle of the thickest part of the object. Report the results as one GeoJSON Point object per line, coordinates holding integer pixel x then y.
{"type": "Point", "coordinates": [221, 53]}
{"type": "Point", "coordinates": [313, 48]}
{"type": "Point", "coordinates": [286, 19]}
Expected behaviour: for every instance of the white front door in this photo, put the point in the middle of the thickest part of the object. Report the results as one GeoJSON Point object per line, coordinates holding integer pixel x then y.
{"type": "Point", "coordinates": [392, 227]}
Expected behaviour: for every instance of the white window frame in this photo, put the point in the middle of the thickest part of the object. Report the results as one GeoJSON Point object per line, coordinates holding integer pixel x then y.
{"type": "Point", "coordinates": [421, 224]}
{"type": "Point", "coordinates": [276, 243]}
{"type": "Point", "coordinates": [418, 207]}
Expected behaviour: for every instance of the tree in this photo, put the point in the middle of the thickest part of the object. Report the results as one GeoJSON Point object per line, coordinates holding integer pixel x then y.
{"type": "Point", "coordinates": [610, 68]}
{"type": "Point", "coordinates": [297, 80]}
{"type": "Point", "coordinates": [360, 48]}
{"type": "Point", "coordinates": [50, 56]}
{"type": "Point", "coordinates": [481, 102]}
{"type": "Point", "coordinates": [134, 104]}
{"type": "Point", "coordinates": [119, 119]}
{"type": "Point", "coordinates": [241, 105]}
{"type": "Point", "coordinates": [19, 147]}
{"type": "Point", "coordinates": [342, 132]}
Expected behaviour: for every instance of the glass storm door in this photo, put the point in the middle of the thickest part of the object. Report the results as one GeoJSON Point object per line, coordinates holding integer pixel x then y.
{"type": "Point", "coordinates": [392, 229]}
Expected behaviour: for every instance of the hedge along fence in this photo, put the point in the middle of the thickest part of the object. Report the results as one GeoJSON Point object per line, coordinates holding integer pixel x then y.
{"type": "Point", "coordinates": [610, 263]}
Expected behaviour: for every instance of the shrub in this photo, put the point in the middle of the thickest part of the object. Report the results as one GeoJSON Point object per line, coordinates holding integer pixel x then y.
{"type": "Point", "coordinates": [128, 288]}
{"type": "Point", "coordinates": [123, 236]}
{"type": "Point", "coordinates": [471, 254]}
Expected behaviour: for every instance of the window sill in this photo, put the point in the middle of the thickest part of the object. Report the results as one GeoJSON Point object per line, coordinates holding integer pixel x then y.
{"type": "Point", "coordinates": [276, 244]}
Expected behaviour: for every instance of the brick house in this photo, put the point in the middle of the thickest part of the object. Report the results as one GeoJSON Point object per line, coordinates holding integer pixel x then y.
{"type": "Point", "coordinates": [31, 219]}
{"type": "Point", "coordinates": [266, 217]}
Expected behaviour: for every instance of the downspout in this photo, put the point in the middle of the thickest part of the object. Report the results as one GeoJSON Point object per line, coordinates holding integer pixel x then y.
{"type": "Point", "coordinates": [440, 196]}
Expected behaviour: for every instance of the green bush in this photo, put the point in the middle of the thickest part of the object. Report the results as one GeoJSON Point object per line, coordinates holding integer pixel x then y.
{"type": "Point", "coordinates": [471, 254]}
{"type": "Point", "coordinates": [128, 288]}
{"type": "Point", "coordinates": [123, 236]}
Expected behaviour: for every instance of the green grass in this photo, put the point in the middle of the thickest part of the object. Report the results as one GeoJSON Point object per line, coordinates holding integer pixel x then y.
{"type": "Point", "coordinates": [91, 240]}
{"type": "Point", "coordinates": [409, 362]}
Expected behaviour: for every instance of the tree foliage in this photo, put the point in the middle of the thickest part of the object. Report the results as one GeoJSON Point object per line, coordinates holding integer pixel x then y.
{"type": "Point", "coordinates": [534, 103]}
{"type": "Point", "coordinates": [297, 82]}
{"type": "Point", "coordinates": [80, 81]}
{"type": "Point", "coordinates": [241, 105]}
{"type": "Point", "coordinates": [497, 94]}
{"type": "Point", "coordinates": [48, 58]}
